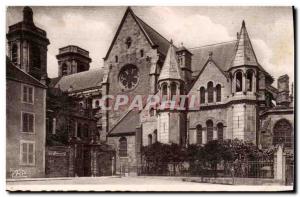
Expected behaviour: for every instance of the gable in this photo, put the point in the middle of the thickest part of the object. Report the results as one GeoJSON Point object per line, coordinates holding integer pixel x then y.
{"type": "Point", "coordinates": [154, 39]}
{"type": "Point", "coordinates": [128, 26]}
{"type": "Point", "coordinates": [210, 72]}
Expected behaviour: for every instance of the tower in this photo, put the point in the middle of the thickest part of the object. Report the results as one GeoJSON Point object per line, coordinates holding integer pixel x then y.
{"type": "Point", "coordinates": [27, 46]}
{"type": "Point", "coordinates": [244, 73]}
{"type": "Point", "coordinates": [185, 62]}
{"type": "Point", "coordinates": [171, 120]}
{"type": "Point", "coordinates": [72, 59]}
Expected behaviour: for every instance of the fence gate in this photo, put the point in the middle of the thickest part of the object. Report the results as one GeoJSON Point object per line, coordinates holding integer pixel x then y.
{"type": "Point", "coordinates": [289, 171]}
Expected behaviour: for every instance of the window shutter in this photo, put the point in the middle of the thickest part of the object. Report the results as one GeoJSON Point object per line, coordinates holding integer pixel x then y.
{"type": "Point", "coordinates": [30, 95]}
{"type": "Point", "coordinates": [30, 123]}
{"type": "Point", "coordinates": [25, 122]}
{"type": "Point", "coordinates": [24, 93]}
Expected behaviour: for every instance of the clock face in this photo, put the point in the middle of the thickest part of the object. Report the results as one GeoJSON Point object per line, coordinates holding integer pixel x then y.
{"type": "Point", "coordinates": [129, 77]}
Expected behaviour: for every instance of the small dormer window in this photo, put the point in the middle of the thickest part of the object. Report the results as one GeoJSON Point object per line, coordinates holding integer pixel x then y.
{"type": "Point", "coordinates": [128, 42]}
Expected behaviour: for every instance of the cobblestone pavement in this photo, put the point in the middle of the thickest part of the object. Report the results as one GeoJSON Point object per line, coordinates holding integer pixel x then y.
{"type": "Point", "coordinates": [130, 184]}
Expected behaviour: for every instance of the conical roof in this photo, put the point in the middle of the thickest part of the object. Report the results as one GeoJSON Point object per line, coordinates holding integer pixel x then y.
{"type": "Point", "coordinates": [244, 53]}
{"type": "Point", "coordinates": [170, 69]}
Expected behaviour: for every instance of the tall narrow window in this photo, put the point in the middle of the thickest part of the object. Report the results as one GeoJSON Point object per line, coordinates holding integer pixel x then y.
{"type": "Point", "coordinates": [155, 136]}
{"type": "Point", "coordinates": [14, 54]}
{"type": "Point", "coordinates": [210, 92]}
{"type": "Point", "coordinates": [123, 147]}
{"type": "Point", "coordinates": [249, 80]}
{"type": "Point", "coordinates": [210, 130]}
{"type": "Point", "coordinates": [116, 58]}
{"type": "Point", "coordinates": [164, 89]}
{"type": "Point", "coordinates": [149, 139]}
{"type": "Point", "coordinates": [27, 152]}
{"type": "Point", "coordinates": [64, 69]}
{"type": "Point", "coordinates": [282, 133]}
{"type": "Point", "coordinates": [239, 82]}
{"type": "Point", "coordinates": [142, 52]}
{"type": "Point", "coordinates": [128, 42]}
{"type": "Point", "coordinates": [79, 130]}
{"type": "Point", "coordinates": [27, 94]}
{"type": "Point", "coordinates": [199, 134]}
{"type": "Point", "coordinates": [36, 56]}
{"type": "Point", "coordinates": [220, 131]}
{"type": "Point", "coordinates": [202, 95]}
{"type": "Point", "coordinates": [218, 92]}
{"type": "Point", "coordinates": [173, 89]}
{"type": "Point", "coordinates": [27, 122]}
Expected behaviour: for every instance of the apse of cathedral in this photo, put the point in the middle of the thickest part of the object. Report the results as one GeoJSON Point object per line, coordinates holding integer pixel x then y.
{"type": "Point", "coordinates": [236, 95]}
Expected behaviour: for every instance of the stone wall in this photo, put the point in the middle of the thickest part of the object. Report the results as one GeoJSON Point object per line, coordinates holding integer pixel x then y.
{"type": "Point", "coordinates": [127, 164]}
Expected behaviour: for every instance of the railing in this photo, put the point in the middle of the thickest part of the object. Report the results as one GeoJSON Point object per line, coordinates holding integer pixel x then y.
{"type": "Point", "coordinates": [249, 169]}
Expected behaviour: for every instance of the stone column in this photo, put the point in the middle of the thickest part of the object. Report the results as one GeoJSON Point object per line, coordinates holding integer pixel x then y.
{"type": "Point", "coordinates": [254, 78]}
{"type": "Point", "coordinates": [279, 164]}
{"type": "Point", "coordinates": [215, 134]}
{"type": "Point", "coordinates": [244, 82]}
{"type": "Point", "coordinates": [204, 136]}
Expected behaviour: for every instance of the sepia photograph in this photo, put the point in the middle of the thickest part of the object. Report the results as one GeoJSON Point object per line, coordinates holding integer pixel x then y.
{"type": "Point", "coordinates": [150, 98]}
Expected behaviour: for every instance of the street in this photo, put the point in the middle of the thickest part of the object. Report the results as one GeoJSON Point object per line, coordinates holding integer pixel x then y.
{"type": "Point", "coordinates": [129, 184]}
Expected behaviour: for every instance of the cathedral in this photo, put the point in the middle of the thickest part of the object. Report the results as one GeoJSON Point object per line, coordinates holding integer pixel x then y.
{"type": "Point", "coordinates": [236, 95]}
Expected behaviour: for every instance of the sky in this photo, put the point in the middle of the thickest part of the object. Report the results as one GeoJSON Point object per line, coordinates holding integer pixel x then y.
{"type": "Point", "coordinates": [93, 28]}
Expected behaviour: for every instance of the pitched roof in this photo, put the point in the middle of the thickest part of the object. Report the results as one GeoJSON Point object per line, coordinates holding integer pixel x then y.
{"type": "Point", "coordinates": [223, 54]}
{"type": "Point", "coordinates": [245, 54]}
{"type": "Point", "coordinates": [153, 37]}
{"type": "Point", "coordinates": [170, 69]}
{"type": "Point", "coordinates": [158, 40]}
{"type": "Point", "coordinates": [81, 81]}
{"type": "Point", "coordinates": [16, 74]}
{"type": "Point", "coordinates": [127, 124]}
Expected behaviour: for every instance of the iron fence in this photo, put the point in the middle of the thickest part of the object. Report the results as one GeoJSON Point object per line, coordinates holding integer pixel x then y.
{"type": "Point", "coordinates": [245, 169]}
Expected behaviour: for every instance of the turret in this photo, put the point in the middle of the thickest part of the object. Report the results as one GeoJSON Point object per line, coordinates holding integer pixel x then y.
{"type": "Point", "coordinates": [283, 97]}
{"type": "Point", "coordinates": [185, 62]}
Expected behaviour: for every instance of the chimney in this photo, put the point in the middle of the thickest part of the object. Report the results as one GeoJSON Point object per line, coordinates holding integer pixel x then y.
{"type": "Point", "coordinates": [283, 97]}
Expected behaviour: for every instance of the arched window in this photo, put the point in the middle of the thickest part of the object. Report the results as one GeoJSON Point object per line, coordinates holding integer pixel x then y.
{"type": "Point", "coordinates": [249, 81]}
{"type": "Point", "coordinates": [199, 134]}
{"type": "Point", "coordinates": [36, 56]}
{"type": "Point", "coordinates": [64, 69]}
{"type": "Point", "coordinates": [123, 147]}
{"type": "Point", "coordinates": [14, 54]}
{"type": "Point", "coordinates": [149, 139]}
{"type": "Point", "coordinates": [239, 82]}
{"type": "Point", "coordinates": [151, 112]}
{"type": "Point", "coordinates": [116, 58]}
{"type": "Point", "coordinates": [142, 52]}
{"type": "Point", "coordinates": [282, 133]}
{"type": "Point", "coordinates": [79, 130]}
{"type": "Point", "coordinates": [220, 131]}
{"type": "Point", "coordinates": [210, 92]}
{"type": "Point", "coordinates": [210, 130]}
{"type": "Point", "coordinates": [86, 130]}
{"type": "Point", "coordinates": [218, 93]}
{"type": "Point", "coordinates": [202, 95]}
{"type": "Point", "coordinates": [173, 89]}
{"type": "Point", "coordinates": [97, 103]}
{"type": "Point", "coordinates": [164, 89]}
{"type": "Point", "coordinates": [154, 136]}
